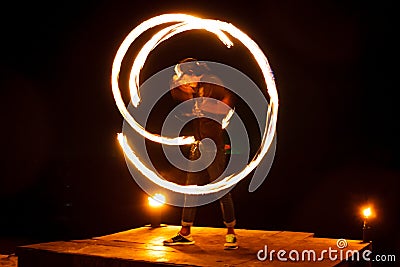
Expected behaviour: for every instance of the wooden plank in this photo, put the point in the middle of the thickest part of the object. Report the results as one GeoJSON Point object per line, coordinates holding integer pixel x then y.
{"type": "Point", "coordinates": [143, 246]}
{"type": "Point", "coordinates": [8, 261]}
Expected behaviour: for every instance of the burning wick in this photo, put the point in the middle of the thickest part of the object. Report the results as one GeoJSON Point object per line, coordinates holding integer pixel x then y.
{"type": "Point", "coordinates": [367, 212]}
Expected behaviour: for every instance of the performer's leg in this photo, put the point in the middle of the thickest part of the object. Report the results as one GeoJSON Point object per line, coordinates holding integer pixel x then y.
{"type": "Point", "coordinates": [188, 213]}
{"type": "Point", "coordinates": [228, 212]}
{"type": "Point", "coordinates": [197, 178]}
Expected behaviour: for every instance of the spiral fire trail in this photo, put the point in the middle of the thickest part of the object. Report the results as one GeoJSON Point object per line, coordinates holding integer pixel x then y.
{"type": "Point", "coordinates": [184, 23]}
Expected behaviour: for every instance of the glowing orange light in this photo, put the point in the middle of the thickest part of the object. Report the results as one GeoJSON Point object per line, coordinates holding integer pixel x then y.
{"type": "Point", "coordinates": [367, 212]}
{"type": "Point", "coordinates": [157, 200]}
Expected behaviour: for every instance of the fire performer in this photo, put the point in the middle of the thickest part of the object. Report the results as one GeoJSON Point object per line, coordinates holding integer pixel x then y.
{"type": "Point", "coordinates": [192, 73]}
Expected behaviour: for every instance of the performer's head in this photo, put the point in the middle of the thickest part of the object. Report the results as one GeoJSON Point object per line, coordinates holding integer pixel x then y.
{"type": "Point", "coordinates": [190, 71]}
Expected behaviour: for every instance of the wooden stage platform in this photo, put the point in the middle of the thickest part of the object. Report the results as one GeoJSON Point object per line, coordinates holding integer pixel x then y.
{"type": "Point", "coordinates": [143, 247]}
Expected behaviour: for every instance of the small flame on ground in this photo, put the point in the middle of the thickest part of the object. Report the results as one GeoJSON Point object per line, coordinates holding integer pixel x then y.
{"type": "Point", "coordinates": [157, 200]}
{"type": "Point", "coordinates": [367, 212]}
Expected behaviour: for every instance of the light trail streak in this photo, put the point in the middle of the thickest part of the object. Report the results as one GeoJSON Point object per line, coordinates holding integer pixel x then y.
{"type": "Point", "coordinates": [227, 119]}
{"type": "Point", "coordinates": [185, 23]}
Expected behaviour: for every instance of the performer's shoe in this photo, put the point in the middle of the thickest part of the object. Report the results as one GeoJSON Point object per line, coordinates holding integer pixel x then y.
{"type": "Point", "coordinates": [179, 240]}
{"type": "Point", "coordinates": [230, 242]}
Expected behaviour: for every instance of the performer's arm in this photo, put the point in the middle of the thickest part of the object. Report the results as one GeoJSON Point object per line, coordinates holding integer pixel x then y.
{"type": "Point", "coordinates": [182, 93]}
{"type": "Point", "coordinates": [216, 107]}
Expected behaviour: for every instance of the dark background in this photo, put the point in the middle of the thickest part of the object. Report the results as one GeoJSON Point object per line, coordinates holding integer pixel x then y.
{"type": "Point", "coordinates": [63, 173]}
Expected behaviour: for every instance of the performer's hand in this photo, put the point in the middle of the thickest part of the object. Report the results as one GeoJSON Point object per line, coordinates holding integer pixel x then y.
{"type": "Point", "coordinates": [182, 92]}
{"type": "Point", "coordinates": [213, 106]}
{"type": "Point", "coordinates": [186, 88]}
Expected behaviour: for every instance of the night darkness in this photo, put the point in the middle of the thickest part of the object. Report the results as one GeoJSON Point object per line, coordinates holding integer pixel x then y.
{"type": "Point", "coordinates": [64, 175]}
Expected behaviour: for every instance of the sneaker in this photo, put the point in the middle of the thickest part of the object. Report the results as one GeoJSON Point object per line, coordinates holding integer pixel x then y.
{"type": "Point", "coordinates": [179, 240]}
{"type": "Point", "coordinates": [230, 242]}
